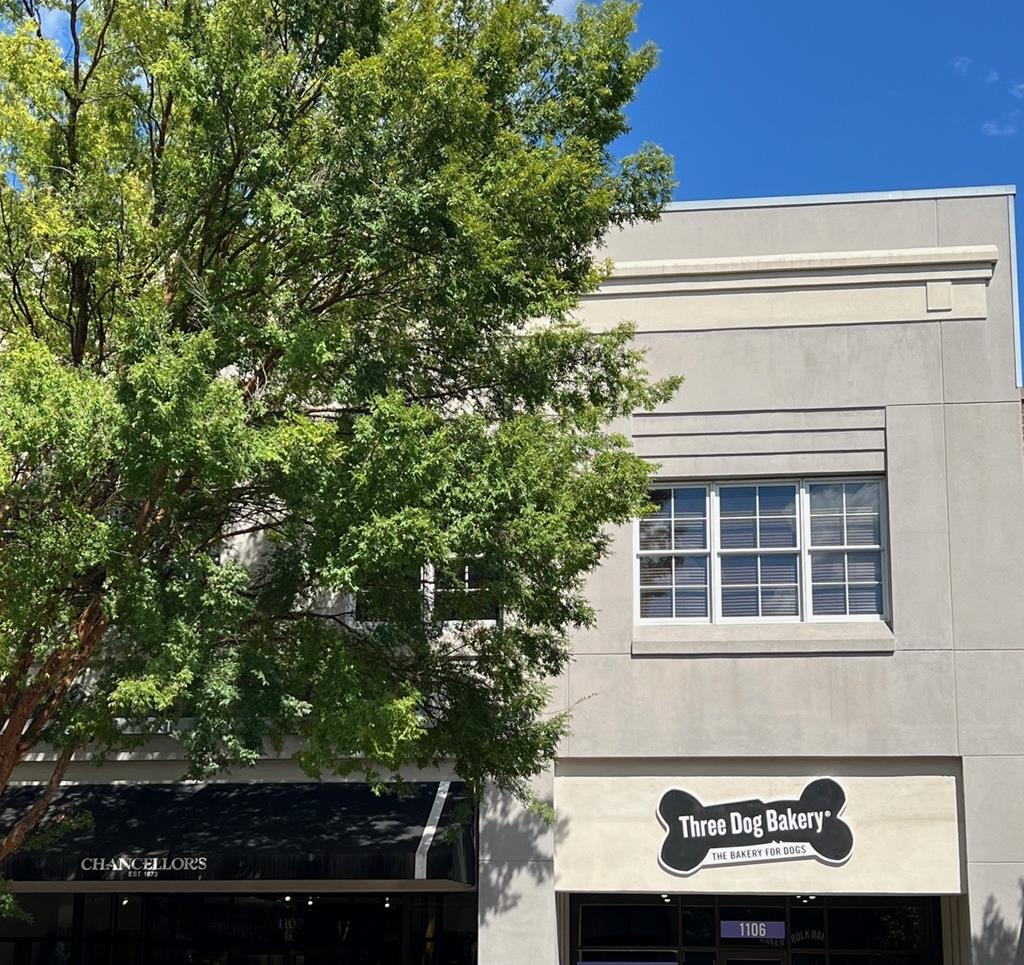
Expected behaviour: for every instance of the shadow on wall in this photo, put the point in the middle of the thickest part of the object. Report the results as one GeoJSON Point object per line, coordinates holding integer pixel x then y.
{"type": "Point", "coordinates": [516, 855]}
{"type": "Point", "coordinates": [1000, 942]}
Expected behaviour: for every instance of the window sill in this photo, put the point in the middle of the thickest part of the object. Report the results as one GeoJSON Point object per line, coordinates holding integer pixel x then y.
{"type": "Point", "coordinates": [762, 638]}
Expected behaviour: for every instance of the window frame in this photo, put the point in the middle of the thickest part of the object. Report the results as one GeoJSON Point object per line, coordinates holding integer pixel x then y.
{"type": "Point", "coordinates": [427, 595]}
{"type": "Point", "coordinates": [713, 552]}
{"type": "Point", "coordinates": [431, 591]}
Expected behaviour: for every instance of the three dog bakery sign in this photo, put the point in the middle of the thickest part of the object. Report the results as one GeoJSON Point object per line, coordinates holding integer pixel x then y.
{"type": "Point", "coordinates": [747, 832]}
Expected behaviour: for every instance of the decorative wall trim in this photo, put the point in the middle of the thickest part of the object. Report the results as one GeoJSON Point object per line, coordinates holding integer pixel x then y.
{"type": "Point", "coordinates": [788, 442]}
{"type": "Point", "coordinates": [967, 260]}
{"type": "Point", "coordinates": [818, 288]}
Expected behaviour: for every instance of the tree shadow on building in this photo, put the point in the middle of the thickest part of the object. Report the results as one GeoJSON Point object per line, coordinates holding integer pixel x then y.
{"type": "Point", "coordinates": [516, 855]}
{"type": "Point", "coordinates": [1000, 942]}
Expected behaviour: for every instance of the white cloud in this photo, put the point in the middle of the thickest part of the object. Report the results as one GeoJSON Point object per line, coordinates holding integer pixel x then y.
{"type": "Point", "coordinates": [1017, 90]}
{"type": "Point", "coordinates": [999, 128]}
{"type": "Point", "coordinates": [565, 8]}
{"type": "Point", "coordinates": [961, 65]}
{"type": "Point", "coordinates": [55, 23]}
{"type": "Point", "coordinates": [991, 75]}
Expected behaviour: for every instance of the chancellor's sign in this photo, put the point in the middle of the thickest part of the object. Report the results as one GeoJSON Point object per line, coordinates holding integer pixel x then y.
{"type": "Point", "coordinates": [746, 832]}
{"type": "Point", "coordinates": [143, 866]}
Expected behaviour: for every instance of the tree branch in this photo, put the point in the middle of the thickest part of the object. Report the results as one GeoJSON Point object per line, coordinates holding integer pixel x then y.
{"type": "Point", "coordinates": [28, 820]}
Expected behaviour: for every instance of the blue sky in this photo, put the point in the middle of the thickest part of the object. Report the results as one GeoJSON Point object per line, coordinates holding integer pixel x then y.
{"type": "Point", "coordinates": [779, 97]}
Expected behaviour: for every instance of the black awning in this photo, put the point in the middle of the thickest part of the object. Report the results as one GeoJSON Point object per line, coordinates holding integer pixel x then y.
{"type": "Point", "coordinates": [246, 832]}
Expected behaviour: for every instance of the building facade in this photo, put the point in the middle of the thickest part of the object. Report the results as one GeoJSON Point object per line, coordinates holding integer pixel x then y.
{"type": "Point", "coordinates": [798, 725]}
{"type": "Point", "coordinates": [820, 630]}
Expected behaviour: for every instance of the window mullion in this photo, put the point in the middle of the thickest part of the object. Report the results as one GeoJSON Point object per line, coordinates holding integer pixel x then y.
{"type": "Point", "coordinates": [428, 576]}
{"type": "Point", "coordinates": [714, 568]}
{"type": "Point", "coordinates": [804, 537]}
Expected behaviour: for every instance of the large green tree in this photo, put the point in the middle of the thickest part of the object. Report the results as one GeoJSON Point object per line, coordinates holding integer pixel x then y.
{"type": "Point", "coordinates": [297, 436]}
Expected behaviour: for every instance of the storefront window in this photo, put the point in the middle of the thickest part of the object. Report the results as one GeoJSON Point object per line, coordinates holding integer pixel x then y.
{"type": "Point", "coordinates": [896, 927]}
{"type": "Point", "coordinates": [800, 930]}
{"type": "Point", "coordinates": [51, 916]}
{"type": "Point", "coordinates": [622, 926]}
{"type": "Point", "coordinates": [807, 925]}
{"type": "Point", "coordinates": [698, 924]}
{"type": "Point", "coordinates": [278, 929]}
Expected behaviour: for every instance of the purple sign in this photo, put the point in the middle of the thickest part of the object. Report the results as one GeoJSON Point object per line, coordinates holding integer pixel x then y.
{"type": "Point", "coordinates": [753, 929]}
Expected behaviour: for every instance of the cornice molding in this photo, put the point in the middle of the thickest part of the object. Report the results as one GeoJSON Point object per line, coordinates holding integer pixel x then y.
{"type": "Point", "coordinates": [813, 288]}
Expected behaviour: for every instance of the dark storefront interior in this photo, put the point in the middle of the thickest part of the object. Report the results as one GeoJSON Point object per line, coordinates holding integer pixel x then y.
{"type": "Point", "coordinates": [201, 851]}
{"type": "Point", "coordinates": [204, 929]}
{"type": "Point", "coordinates": [803, 930]}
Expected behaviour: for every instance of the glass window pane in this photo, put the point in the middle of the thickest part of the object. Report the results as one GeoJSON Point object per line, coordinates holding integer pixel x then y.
{"type": "Point", "coordinates": [826, 531]}
{"type": "Point", "coordinates": [692, 603]}
{"type": "Point", "coordinates": [827, 568]}
{"type": "Point", "coordinates": [777, 532]}
{"type": "Point", "coordinates": [655, 570]}
{"type": "Point", "coordinates": [691, 534]}
{"type": "Point", "coordinates": [453, 606]}
{"type": "Point", "coordinates": [622, 926]}
{"type": "Point", "coordinates": [128, 912]}
{"type": "Point", "coordinates": [863, 497]}
{"type": "Point", "coordinates": [863, 530]}
{"type": "Point", "coordinates": [893, 926]}
{"type": "Point", "coordinates": [662, 499]}
{"type": "Point", "coordinates": [51, 917]}
{"type": "Point", "coordinates": [690, 502]}
{"type": "Point", "coordinates": [451, 576]}
{"type": "Point", "coordinates": [656, 604]}
{"type": "Point", "coordinates": [737, 500]}
{"type": "Point", "coordinates": [778, 602]}
{"type": "Point", "coordinates": [746, 912]}
{"type": "Point", "coordinates": [778, 569]}
{"type": "Point", "coordinates": [829, 600]}
{"type": "Point", "coordinates": [692, 569]}
{"type": "Point", "coordinates": [739, 570]}
{"type": "Point", "coordinates": [95, 953]}
{"type": "Point", "coordinates": [483, 574]}
{"type": "Point", "coordinates": [655, 534]}
{"type": "Point", "coordinates": [807, 924]}
{"type": "Point", "coordinates": [49, 953]}
{"type": "Point", "coordinates": [826, 497]}
{"type": "Point", "coordinates": [739, 603]}
{"type": "Point", "coordinates": [864, 567]}
{"type": "Point", "coordinates": [865, 599]}
{"type": "Point", "coordinates": [776, 500]}
{"type": "Point", "coordinates": [698, 926]}
{"type": "Point", "coordinates": [738, 534]}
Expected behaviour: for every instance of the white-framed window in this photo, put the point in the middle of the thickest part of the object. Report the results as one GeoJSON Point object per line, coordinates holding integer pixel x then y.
{"type": "Point", "coordinates": [786, 550]}
{"type": "Point", "coordinates": [463, 592]}
{"type": "Point", "coordinates": [460, 591]}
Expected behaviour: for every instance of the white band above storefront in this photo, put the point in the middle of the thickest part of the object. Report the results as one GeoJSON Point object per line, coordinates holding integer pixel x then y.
{"type": "Point", "coordinates": [758, 834]}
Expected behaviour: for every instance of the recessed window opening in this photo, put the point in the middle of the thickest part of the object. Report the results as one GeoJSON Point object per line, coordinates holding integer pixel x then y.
{"type": "Point", "coordinates": [772, 551]}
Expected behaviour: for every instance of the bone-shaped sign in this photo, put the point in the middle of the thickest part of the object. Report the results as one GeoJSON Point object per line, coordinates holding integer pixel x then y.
{"type": "Point", "coordinates": [751, 831]}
